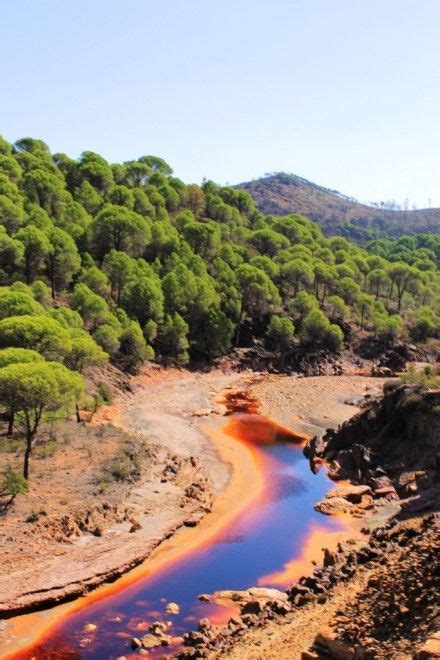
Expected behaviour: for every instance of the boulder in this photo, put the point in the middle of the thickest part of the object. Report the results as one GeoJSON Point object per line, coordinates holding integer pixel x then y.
{"type": "Point", "coordinates": [250, 595]}
{"type": "Point", "coordinates": [150, 641]}
{"type": "Point", "coordinates": [430, 649]}
{"type": "Point", "coordinates": [328, 640]}
{"type": "Point", "coordinates": [136, 643]}
{"type": "Point", "coordinates": [172, 608]}
{"type": "Point", "coordinates": [333, 506]}
{"type": "Point", "coordinates": [351, 493]}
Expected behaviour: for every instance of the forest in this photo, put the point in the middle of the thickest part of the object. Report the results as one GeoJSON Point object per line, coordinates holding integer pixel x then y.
{"type": "Point", "coordinates": [127, 263]}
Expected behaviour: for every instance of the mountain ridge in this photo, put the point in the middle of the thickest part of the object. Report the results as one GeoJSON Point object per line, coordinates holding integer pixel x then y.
{"type": "Point", "coordinates": [282, 193]}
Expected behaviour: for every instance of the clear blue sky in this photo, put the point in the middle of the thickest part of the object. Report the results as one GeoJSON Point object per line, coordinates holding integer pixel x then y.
{"type": "Point", "coordinates": [343, 92]}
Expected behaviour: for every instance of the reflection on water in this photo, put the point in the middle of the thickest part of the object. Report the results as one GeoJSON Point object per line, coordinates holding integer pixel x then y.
{"type": "Point", "coordinates": [266, 545]}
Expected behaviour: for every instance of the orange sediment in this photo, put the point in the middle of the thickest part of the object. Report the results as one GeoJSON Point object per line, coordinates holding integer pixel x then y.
{"type": "Point", "coordinates": [318, 538]}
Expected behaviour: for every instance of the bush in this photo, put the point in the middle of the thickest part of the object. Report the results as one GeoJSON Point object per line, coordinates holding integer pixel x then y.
{"type": "Point", "coordinates": [105, 393]}
{"type": "Point", "coordinates": [13, 483]}
{"type": "Point", "coordinates": [123, 466]}
{"type": "Point", "coordinates": [428, 376]}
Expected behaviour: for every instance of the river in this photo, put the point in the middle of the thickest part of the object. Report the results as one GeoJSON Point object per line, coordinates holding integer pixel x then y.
{"type": "Point", "coordinates": [269, 544]}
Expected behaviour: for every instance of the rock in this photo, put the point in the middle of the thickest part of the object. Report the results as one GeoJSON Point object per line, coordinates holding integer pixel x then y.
{"type": "Point", "coordinates": [135, 526]}
{"type": "Point", "coordinates": [267, 594]}
{"type": "Point", "coordinates": [135, 643]}
{"type": "Point", "coordinates": [158, 628]}
{"type": "Point", "coordinates": [205, 624]}
{"type": "Point", "coordinates": [351, 493]}
{"type": "Point", "coordinates": [202, 412]}
{"type": "Point", "coordinates": [250, 620]}
{"type": "Point", "coordinates": [430, 649]}
{"type": "Point", "coordinates": [329, 558]}
{"type": "Point", "coordinates": [389, 492]}
{"type": "Point", "coordinates": [382, 372]}
{"type": "Point", "coordinates": [252, 607]}
{"type": "Point", "coordinates": [280, 607]}
{"type": "Point", "coordinates": [314, 447]}
{"type": "Point", "coordinates": [194, 638]}
{"type": "Point", "coordinates": [90, 627]}
{"type": "Point", "coordinates": [333, 505]}
{"type": "Point", "coordinates": [150, 641]}
{"type": "Point", "coordinates": [255, 593]}
{"type": "Point", "coordinates": [172, 608]}
{"type": "Point", "coordinates": [205, 598]}
{"type": "Point", "coordinates": [328, 639]}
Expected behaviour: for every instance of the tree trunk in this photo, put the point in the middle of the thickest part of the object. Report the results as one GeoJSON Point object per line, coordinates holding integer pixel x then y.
{"type": "Point", "coordinates": [240, 319]}
{"type": "Point", "coordinates": [78, 416]}
{"type": "Point", "coordinates": [27, 455]}
{"type": "Point", "coordinates": [11, 420]}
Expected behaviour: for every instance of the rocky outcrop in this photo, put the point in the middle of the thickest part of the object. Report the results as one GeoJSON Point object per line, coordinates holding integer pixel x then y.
{"type": "Point", "coordinates": [396, 615]}
{"type": "Point", "coordinates": [393, 447]}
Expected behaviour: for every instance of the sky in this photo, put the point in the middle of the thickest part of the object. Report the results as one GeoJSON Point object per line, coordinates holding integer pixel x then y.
{"type": "Point", "coordinates": [343, 92]}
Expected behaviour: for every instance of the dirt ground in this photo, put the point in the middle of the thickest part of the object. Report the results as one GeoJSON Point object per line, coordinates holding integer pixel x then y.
{"type": "Point", "coordinates": [313, 403]}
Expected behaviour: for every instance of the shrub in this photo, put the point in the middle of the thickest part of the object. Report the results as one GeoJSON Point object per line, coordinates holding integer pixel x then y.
{"type": "Point", "coordinates": [13, 483]}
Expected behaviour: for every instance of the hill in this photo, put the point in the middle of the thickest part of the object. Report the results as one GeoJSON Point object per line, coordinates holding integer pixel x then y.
{"type": "Point", "coordinates": [281, 194]}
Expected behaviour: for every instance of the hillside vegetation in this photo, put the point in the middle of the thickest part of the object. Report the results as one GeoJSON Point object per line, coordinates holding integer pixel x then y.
{"type": "Point", "coordinates": [125, 262]}
{"type": "Point", "coordinates": [282, 193]}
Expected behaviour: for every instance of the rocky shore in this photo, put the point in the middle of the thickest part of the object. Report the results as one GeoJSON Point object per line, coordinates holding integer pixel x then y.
{"type": "Point", "coordinates": [396, 614]}
{"type": "Point", "coordinates": [392, 449]}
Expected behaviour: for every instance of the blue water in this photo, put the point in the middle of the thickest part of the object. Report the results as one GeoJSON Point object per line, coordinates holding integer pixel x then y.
{"type": "Point", "coordinates": [258, 542]}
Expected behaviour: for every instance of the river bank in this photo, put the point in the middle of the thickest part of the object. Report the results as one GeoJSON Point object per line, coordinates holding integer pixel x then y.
{"type": "Point", "coordinates": [182, 412]}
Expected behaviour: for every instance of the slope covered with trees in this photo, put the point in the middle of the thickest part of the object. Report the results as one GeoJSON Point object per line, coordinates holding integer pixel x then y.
{"type": "Point", "coordinates": [283, 193]}
{"type": "Point", "coordinates": [125, 262]}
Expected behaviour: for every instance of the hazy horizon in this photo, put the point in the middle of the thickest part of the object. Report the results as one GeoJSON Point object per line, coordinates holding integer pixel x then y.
{"type": "Point", "coordinates": [343, 94]}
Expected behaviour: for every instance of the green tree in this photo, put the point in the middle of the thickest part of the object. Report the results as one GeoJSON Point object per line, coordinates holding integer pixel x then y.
{"type": "Point", "coordinates": [279, 334]}
{"type": "Point", "coordinates": [83, 353]}
{"type": "Point", "coordinates": [11, 215]}
{"type": "Point", "coordinates": [337, 309]}
{"type": "Point", "coordinates": [364, 307]}
{"type": "Point", "coordinates": [63, 260]}
{"type": "Point", "coordinates": [316, 330]}
{"type": "Point", "coordinates": [11, 255]}
{"type": "Point", "coordinates": [45, 189]}
{"type": "Point", "coordinates": [37, 247]}
{"type": "Point", "coordinates": [172, 342]}
{"type": "Point", "coordinates": [120, 270]}
{"type": "Point", "coordinates": [426, 323]}
{"type": "Point", "coordinates": [133, 348]}
{"type": "Point", "coordinates": [17, 303]}
{"type": "Point", "coordinates": [403, 277]}
{"type": "Point", "coordinates": [108, 337]}
{"type": "Point", "coordinates": [16, 356]}
{"type": "Point", "coordinates": [33, 389]}
{"type": "Point", "coordinates": [295, 274]}
{"type": "Point", "coordinates": [121, 229]}
{"type": "Point", "coordinates": [92, 307]}
{"type": "Point", "coordinates": [40, 333]}
{"type": "Point", "coordinates": [143, 299]}
{"type": "Point", "coordinates": [258, 294]}
{"type": "Point", "coordinates": [96, 279]}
